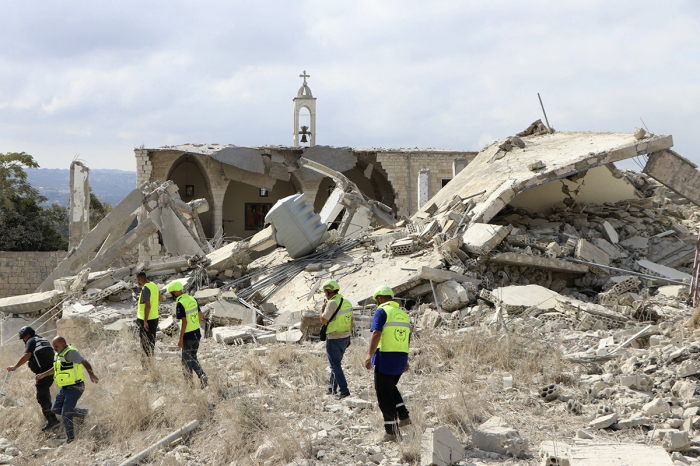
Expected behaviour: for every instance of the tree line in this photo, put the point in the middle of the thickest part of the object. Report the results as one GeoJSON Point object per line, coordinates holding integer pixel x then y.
{"type": "Point", "coordinates": [24, 224]}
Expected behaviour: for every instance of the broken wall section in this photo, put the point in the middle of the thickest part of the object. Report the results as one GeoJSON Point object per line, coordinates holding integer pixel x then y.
{"type": "Point", "coordinates": [21, 272]}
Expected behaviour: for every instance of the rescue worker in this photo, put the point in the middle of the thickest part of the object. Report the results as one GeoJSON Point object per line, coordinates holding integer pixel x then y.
{"type": "Point", "coordinates": [67, 372]}
{"type": "Point", "coordinates": [337, 313]}
{"type": "Point", "coordinates": [38, 355]}
{"type": "Point", "coordinates": [188, 311]}
{"type": "Point", "coordinates": [147, 315]}
{"type": "Point", "coordinates": [388, 353]}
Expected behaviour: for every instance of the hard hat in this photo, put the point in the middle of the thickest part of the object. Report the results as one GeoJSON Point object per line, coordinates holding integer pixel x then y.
{"type": "Point", "coordinates": [331, 285]}
{"type": "Point", "coordinates": [383, 291]}
{"type": "Point", "coordinates": [174, 286]}
{"type": "Point", "coordinates": [26, 332]}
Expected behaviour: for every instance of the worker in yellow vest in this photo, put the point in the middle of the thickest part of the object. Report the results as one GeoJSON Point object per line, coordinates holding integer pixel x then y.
{"type": "Point", "coordinates": [388, 353]}
{"type": "Point", "coordinates": [337, 314]}
{"type": "Point", "coordinates": [188, 311]}
{"type": "Point", "coordinates": [67, 372]}
{"type": "Point", "coordinates": [147, 315]}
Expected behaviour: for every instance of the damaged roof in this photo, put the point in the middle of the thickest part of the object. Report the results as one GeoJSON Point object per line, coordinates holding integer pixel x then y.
{"type": "Point", "coordinates": [504, 169]}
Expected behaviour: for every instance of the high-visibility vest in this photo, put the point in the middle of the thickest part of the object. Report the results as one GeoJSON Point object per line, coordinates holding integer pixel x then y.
{"type": "Point", "coordinates": [396, 330]}
{"type": "Point", "coordinates": [342, 322]}
{"type": "Point", "coordinates": [66, 373]}
{"type": "Point", "coordinates": [153, 313]}
{"type": "Point", "coordinates": [191, 312]}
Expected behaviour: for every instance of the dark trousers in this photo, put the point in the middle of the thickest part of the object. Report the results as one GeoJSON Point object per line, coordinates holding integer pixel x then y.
{"type": "Point", "coordinates": [389, 399]}
{"type": "Point", "coordinates": [66, 399]}
{"type": "Point", "coordinates": [335, 349]}
{"type": "Point", "coordinates": [190, 362]}
{"type": "Point", "coordinates": [43, 396]}
{"type": "Point", "coordinates": [148, 338]}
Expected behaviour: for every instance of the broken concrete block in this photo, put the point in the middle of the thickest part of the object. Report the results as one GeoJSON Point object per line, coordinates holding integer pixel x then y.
{"type": "Point", "coordinates": [207, 296]}
{"type": "Point", "coordinates": [635, 422]}
{"type": "Point", "coordinates": [80, 331]}
{"type": "Point", "coordinates": [676, 441]}
{"type": "Point", "coordinates": [608, 248]}
{"type": "Point", "coordinates": [451, 295]}
{"type": "Point", "coordinates": [480, 238]}
{"type": "Point", "coordinates": [554, 453]}
{"type": "Point", "coordinates": [574, 407]}
{"type": "Point", "coordinates": [550, 392]}
{"type": "Point", "coordinates": [637, 382]}
{"type": "Point", "coordinates": [495, 435]}
{"type": "Point", "coordinates": [686, 368]}
{"type": "Point", "coordinates": [536, 166]}
{"type": "Point", "coordinates": [684, 390]}
{"type": "Point", "coordinates": [439, 276]}
{"type": "Point", "coordinates": [603, 422]}
{"type": "Point", "coordinates": [517, 298]}
{"type": "Point", "coordinates": [656, 407]}
{"type": "Point", "coordinates": [290, 336]}
{"type": "Point", "coordinates": [662, 270]}
{"type": "Point", "coordinates": [539, 262]}
{"type": "Point", "coordinates": [610, 233]}
{"type": "Point", "coordinates": [431, 319]}
{"type": "Point", "coordinates": [585, 251]}
{"type": "Point", "coordinates": [609, 454]}
{"type": "Point", "coordinates": [636, 242]}
{"type": "Point", "coordinates": [439, 447]}
{"type": "Point", "coordinates": [225, 312]}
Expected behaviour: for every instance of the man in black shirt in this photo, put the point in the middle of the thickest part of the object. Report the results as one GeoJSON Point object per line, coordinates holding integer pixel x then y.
{"type": "Point", "coordinates": [39, 355]}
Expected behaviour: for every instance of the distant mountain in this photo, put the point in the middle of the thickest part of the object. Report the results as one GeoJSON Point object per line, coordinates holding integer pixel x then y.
{"type": "Point", "coordinates": [110, 186]}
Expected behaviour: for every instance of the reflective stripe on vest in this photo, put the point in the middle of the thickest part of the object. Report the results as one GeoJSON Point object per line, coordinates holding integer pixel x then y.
{"type": "Point", "coordinates": [191, 312]}
{"type": "Point", "coordinates": [66, 373]}
{"type": "Point", "coordinates": [396, 330]}
{"type": "Point", "coordinates": [342, 322]}
{"type": "Point", "coordinates": [41, 344]}
{"type": "Point", "coordinates": [153, 313]}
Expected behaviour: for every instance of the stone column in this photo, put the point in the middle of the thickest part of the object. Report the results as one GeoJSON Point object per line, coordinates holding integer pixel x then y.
{"type": "Point", "coordinates": [423, 187]}
{"type": "Point", "coordinates": [459, 164]}
{"type": "Point", "coordinates": [79, 215]}
{"type": "Point", "coordinates": [310, 190]}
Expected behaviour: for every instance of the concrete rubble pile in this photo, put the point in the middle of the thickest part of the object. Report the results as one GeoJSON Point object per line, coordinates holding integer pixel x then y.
{"type": "Point", "coordinates": [605, 282]}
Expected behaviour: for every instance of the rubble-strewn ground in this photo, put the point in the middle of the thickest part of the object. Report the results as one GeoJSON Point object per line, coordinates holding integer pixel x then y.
{"type": "Point", "coordinates": [569, 332]}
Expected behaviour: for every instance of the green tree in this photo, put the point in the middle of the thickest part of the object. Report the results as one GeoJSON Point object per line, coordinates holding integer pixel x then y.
{"type": "Point", "coordinates": [13, 180]}
{"type": "Point", "coordinates": [98, 210]}
{"type": "Point", "coordinates": [26, 226]}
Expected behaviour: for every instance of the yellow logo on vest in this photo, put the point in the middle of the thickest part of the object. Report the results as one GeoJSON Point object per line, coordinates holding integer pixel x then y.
{"type": "Point", "coordinates": [400, 334]}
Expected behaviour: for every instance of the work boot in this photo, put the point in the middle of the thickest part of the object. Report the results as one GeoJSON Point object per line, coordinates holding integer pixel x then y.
{"type": "Point", "coordinates": [389, 437]}
{"type": "Point", "coordinates": [342, 395]}
{"type": "Point", "coordinates": [81, 412]}
{"type": "Point", "coordinates": [51, 420]}
{"type": "Point", "coordinates": [204, 381]}
{"type": "Point", "coordinates": [405, 422]}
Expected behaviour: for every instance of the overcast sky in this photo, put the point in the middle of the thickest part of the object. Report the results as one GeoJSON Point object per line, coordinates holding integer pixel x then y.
{"type": "Point", "coordinates": [96, 79]}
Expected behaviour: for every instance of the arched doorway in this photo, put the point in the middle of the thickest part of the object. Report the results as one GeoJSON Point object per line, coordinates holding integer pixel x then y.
{"type": "Point", "coordinates": [192, 184]}
{"type": "Point", "coordinates": [245, 207]}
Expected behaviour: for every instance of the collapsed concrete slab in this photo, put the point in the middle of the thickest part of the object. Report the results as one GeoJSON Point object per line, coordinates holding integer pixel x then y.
{"type": "Point", "coordinates": [676, 172]}
{"type": "Point", "coordinates": [519, 298]}
{"type": "Point", "coordinates": [33, 302]}
{"type": "Point", "coordinates": [504, 174]}
{"type": "Point", "coordinates": [662, 270]}
{"type": "Point", "coordinates": [545, 263]}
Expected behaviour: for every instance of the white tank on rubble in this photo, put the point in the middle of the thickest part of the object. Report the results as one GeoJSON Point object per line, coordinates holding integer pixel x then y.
{"type": "Point", "coordinates": [297, 227]}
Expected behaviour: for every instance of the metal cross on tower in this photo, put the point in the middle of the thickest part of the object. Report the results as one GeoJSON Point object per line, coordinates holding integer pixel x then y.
{"type": "Point", "coordinates": [304, 75]}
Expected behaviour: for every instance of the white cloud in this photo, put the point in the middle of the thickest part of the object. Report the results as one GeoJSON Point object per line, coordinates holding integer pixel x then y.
{"type": "Point", "coordinates": [453, 74]}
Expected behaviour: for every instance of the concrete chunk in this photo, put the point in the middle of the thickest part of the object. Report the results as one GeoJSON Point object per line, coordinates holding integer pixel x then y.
{"type": "Point", "coordinates": [610, 233]}
{"type": "Point", "coordinates": [676, 441]}
{"type": "Point", "coordinates": [585, 251]}
{"type": "Point", "coordinates": [662, 270]}
{"type": "Point", "coordinates": [545, 263]}
{"type": "Point", "coordinates": [480, 238]}
{"type": "Point", "coordinates": [614, 454]}
{"type": "Point", "coordinates": [439, 276]}
{"type": "Point", "coordinates": [495, 435]}
{"type": "Point", "coordinates": [439, 447]}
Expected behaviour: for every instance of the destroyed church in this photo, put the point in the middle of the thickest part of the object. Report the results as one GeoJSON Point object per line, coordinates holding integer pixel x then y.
{"type": "Point", "coordinates": [537, 234]}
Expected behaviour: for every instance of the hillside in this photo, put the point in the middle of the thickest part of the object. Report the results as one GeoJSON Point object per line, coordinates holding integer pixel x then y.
{"type": "Point", "coordinates": [110, 186]}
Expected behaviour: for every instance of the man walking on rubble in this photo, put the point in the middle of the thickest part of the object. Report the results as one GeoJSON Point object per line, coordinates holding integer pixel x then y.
{"type": "Point", "coordinates": [388, 353]}
{"type": "Point", "coordinates": [337, 313]}
{"type": "Point", "coordinates": [39, 355]}
{"type": "Point", "coordinates": [67, 372]}
{"type": "Point", "coordinates": [147, 316]}
{"type": "Point", "coordinates": [188, 311]}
